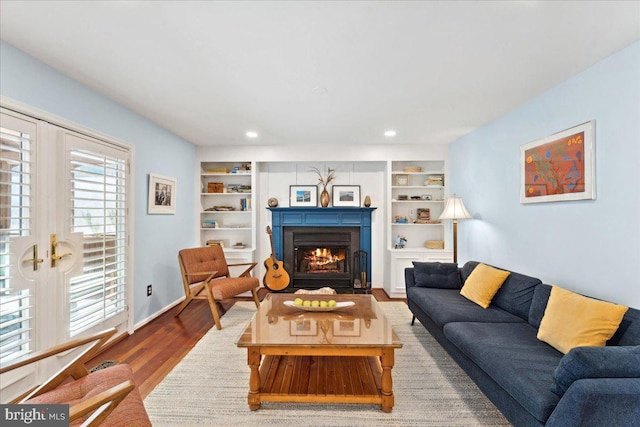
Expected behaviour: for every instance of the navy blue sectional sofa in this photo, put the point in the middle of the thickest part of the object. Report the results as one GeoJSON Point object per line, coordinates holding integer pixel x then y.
{"type": "Point", "coordinates": [529, 381]}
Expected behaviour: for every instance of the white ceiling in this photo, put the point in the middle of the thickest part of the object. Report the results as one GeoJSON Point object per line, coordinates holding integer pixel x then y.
{"type": "Point", "coordinates": [320, 72]}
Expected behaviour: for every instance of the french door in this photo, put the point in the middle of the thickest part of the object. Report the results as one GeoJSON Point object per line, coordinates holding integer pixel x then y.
{"type": "Point", "coordinates": [64, 269]}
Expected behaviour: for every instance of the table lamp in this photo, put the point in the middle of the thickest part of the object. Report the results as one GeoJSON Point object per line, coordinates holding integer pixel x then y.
{"type": "Point", "coordinates": [454, 209]}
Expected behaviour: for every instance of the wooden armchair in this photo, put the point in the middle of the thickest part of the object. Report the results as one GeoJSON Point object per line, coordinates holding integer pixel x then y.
{"type": "Point", "coordinates": [107, 397]}
{"type": "Point", "coordinates": [206, 270]}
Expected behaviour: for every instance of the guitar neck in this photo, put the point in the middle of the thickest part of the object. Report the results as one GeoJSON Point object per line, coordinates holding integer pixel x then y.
{"type": "Point", "coordinates": [273, 250]}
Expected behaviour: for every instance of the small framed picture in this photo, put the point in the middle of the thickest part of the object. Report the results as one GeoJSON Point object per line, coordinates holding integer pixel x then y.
{"type": "Point", "coordinates": [346, 328]}
{"type": "Point", "coordinates": [162, 194]}
{"type": "Point", "coordinates": [303, 195]}
{"type": "Point", "coordinates": [303, 327]}
{"type": "Point", "coordinates": [346, 195]}
{"type": "Point", "coordinates": [400, 180]}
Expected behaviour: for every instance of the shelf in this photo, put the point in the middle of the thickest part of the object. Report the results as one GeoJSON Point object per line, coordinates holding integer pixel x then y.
{"type": "Point", "coordinates": [226, 194]}
{"type": "Point", "coordinates": [421, 250]}
{"type": "Point", "coordinates": [223, 228]}
{"type": "Point", "coordinates": [410, 224]}
{"type": "Point", "coordinates": [422, 187]}
{"type": "Point", "coordinates": [225, 174]}
{"type": "Point", "coordinates": [224, 212]}
{"type": "Point", "coordinates": [243, 250]}
{"type": "Point", "coordinates": [417, 173]}
{"type": "Point", "coordinates": [416, 201]}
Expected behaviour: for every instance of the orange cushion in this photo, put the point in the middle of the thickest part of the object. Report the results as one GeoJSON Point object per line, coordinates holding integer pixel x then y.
{"type": "Point", "coordinates": [482, 284]}
{"type": "Point", "coordinates": [229, 287]}
{"type": "Point", "coordinates": [130, 412]}
{"type": "Point", "coordinates": [572, 320]}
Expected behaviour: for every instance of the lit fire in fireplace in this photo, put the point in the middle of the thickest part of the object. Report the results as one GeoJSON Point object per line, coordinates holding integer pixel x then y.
{"type": "Point", "coordinates": [322, 260]}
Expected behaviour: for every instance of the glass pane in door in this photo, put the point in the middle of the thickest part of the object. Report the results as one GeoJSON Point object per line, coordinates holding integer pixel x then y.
{"type": "Point", "coordinates": [15, 222]}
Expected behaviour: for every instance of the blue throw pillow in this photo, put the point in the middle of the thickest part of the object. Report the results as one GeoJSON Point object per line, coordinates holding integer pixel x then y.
{"type": "Point", "coordinates": [596, 362]}
{"type": "Point", "coordinates": [437, 275]}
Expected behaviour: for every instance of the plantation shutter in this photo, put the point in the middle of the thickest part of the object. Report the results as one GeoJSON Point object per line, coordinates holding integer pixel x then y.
{"type": "Point", "coordinates": [16, 191]}
{"type": "Point", "coordinates": [98, 185]}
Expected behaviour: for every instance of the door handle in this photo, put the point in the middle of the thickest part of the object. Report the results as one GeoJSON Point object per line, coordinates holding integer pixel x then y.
{"type": "Point", "coordinates": [35, 260]}
{"type": "Point", "coordinates": [55, 257]}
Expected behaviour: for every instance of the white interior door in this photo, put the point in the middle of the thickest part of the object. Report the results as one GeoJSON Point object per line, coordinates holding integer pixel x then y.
{"type": "Point", "coordinates": [64, 268]}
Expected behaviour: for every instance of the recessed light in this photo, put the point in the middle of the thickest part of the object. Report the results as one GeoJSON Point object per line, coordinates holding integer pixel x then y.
{"type": "Point", "coordinates": [320, 90]}
{"type": "Point", "coordinates": [390, 133]}
{"type": "Point", "coordinates": [252, 134]}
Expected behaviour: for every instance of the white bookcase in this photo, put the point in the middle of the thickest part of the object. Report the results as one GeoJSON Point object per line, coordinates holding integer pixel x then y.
{"type": "Point", "coordinates": [227, 209]}
{"type": "Point", "coordinates": [416, 199]}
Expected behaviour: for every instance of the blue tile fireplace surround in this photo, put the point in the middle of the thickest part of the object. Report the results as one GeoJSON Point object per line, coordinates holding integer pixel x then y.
{"type": "Point", "coordinates": [322, 223]}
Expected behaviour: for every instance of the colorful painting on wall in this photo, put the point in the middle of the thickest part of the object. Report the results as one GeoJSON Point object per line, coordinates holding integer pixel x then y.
{"type": "Point", "coordinates": [559, 167]}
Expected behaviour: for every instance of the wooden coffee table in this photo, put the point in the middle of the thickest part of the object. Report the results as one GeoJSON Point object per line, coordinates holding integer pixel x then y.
{"type": "Point", "coordinates": [341, 356]}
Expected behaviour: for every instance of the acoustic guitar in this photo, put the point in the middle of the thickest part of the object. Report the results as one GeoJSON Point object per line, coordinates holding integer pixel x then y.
{"type": "Point", "coordinates": [276, 278]}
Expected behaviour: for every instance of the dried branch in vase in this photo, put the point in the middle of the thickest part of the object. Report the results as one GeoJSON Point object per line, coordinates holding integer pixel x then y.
{"type": "Point", "coordinates": [331, 174]}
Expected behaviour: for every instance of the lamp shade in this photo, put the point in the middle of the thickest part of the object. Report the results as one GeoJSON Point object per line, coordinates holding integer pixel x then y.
{"type": "Point", "coordinates": [454, 209]}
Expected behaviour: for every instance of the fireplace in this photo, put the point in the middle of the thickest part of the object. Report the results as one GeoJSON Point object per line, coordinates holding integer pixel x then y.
{"type": "Point", "coordinates": [320, 256]}
{"type": "Point", "coordinates": [323, 246]}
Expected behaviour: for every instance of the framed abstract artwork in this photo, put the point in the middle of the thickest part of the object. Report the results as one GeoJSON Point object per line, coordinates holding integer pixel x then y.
{"type": "Point", "coordinates": [560, 167]}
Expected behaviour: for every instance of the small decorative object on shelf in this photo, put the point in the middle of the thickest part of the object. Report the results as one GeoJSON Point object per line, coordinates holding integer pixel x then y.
{"type": "Point", "coordinates": [400, 180]}
{"type": "Point", "coordinates": [215, 187]}
{"type": "Point", "coordinates": [434, 244]}
{"type": "Point", "coordinates": [401, 241]}
{"type": "Point", "coordinates": [424, 216]}
{"type": "Point", "coordinates": [412, 169]}
{"type": "Point", "coordinates": [403, 197]}
{"type": "Point", "coordinates": [401, 220]}
{"type": "Point", "coordinates": [367, 201]}
{"type": "Point", "coordinates": [272, 202]}
{"type": "Point", "coordinates": [215, 242]}
{"type": "Point", "coordinates": [434, 180]}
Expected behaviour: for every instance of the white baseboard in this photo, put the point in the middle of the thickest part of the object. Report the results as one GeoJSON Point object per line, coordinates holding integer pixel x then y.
{"type": "Point", "coordinates": [143, 322]}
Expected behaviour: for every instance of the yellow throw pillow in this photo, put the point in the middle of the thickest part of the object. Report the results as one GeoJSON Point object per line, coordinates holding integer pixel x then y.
{"type": "Point", "coordinates": [571, 320]}
{"type": "Point", "coordinates": [482, 284]}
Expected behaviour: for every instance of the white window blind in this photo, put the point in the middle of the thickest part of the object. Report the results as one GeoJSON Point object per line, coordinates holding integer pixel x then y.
{"type": "Point", "coordinates": [15, 221]}
{"type": "Point", "coordinates": [98, 205]}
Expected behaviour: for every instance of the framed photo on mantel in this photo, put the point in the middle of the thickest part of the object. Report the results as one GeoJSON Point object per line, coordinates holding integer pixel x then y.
{"type": "Point", "coordinates": [346, 195]}
{"type": "Point", "coordinates": [303, 196]}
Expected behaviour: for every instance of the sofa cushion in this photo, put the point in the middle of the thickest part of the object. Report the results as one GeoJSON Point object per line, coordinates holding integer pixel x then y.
{"type": "Point", "coordinates": [628, 332]}
{"type": "Point", "coordinates": [129, 412]}
{"type": "Point", "coordinates": [467, 269]}
{"type": "Point", "coordinates": [513, 357]}
{"type": "Point", "coordinates": [482, 284]}
{"type": "Point", "coordinates": [596, 362]}
{"type": "Point", "coordinates": [516, 293]}
{"type": "Point", "coordinates": [573, 320]}
{"type": "Point", "coordinates": [539, 304]}
{"type": "Point", "coordinates": [447, 305]}
{"type": "Point", "coordinates": [437, 275]}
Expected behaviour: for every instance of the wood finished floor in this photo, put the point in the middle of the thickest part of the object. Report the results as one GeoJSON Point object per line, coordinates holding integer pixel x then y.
{"type": "Point", "coordinates": [153, 350]}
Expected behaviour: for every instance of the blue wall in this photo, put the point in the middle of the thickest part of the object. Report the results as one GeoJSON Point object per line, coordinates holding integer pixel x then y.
{"type": "Point", "coordinates": [157, 238]}
{"type": "Point", "coordinates": [591, 246]}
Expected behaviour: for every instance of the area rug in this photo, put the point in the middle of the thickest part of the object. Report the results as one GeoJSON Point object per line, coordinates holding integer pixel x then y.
{"type": "Point", "coordinates": [209, 386]}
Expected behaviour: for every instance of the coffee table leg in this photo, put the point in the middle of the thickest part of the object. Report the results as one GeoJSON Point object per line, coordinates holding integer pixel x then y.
{"type": "Point", "coordinates": [387, 361]}
{"type": "Point", "coordinates": [254, 378]}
